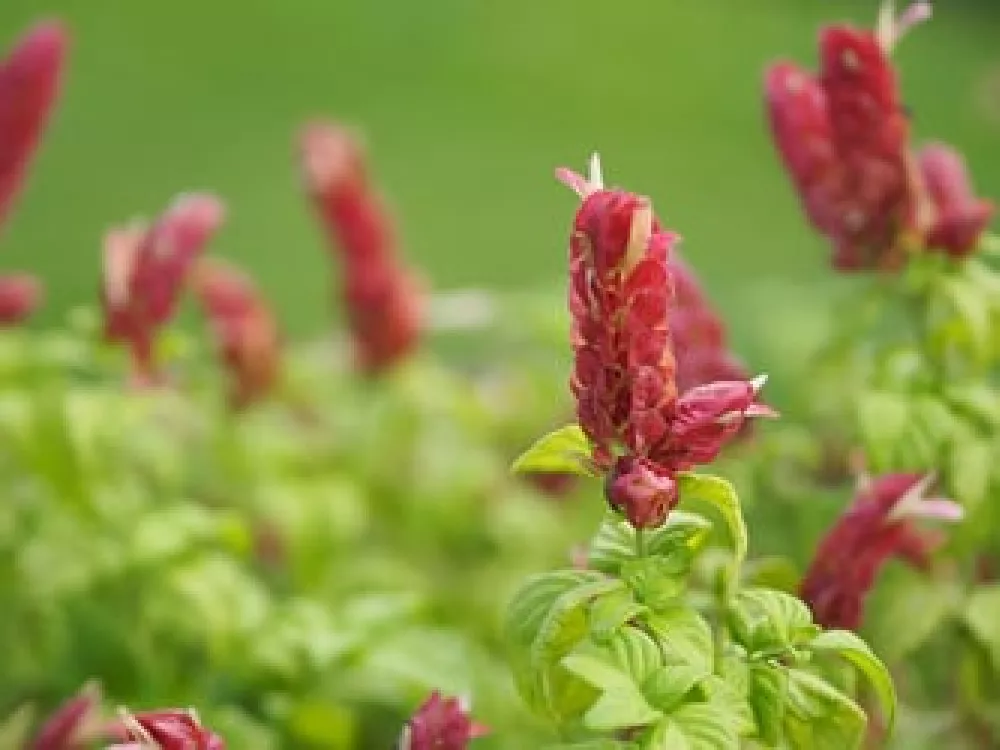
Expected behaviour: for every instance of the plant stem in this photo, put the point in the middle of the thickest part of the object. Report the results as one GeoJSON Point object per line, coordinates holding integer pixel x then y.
{"type": "Point", "coordinates": [640, 543]}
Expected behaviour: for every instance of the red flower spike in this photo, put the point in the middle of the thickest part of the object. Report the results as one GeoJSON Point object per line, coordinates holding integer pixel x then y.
{"type": "Point", "coordinates": [245, 330]}
{"type": "Point", "coordinates": [876, 527]}
{"type": "Point", "coordinates": [383, 299]}
{"type": "Point", "coordinates": [145, 271]}
{"type": "Point", "coordinates": [960, 218]}
{"type": "Point", "coordinates": [29, 85]}
{"type": "Point", "coordinates": [440, 724]}
{"type": "Point", "coordinates": [620, 300]}
{"type": "Point", "coordinates": [843, 137]}
{"type": "Point", "coordinates": [73, 724]}
{"type": "Point", "coordinates": [20, 296]}
{"type": "Point", "coordinates": [169, 729]}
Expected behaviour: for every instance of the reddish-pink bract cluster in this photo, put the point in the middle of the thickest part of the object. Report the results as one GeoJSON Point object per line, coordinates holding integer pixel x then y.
{"type": "Point", "coordinates": [168, 729]}
{"type": "Point", "coordinates": [875, 528]}
{"type": "Point", "coordinates": [145, 271]}
{"type": "Point", "coordinates": [30, 79]}
{"type": "Point", "coordinates": [440, 724]}
{"type": "Point", "coordinates": [244, 327]}
{"type": "Point", "coordinates": [844, 137]}
{"type": "Point", "coordinates": [699, 334]}
{"type": "Point", "coordinates": [624, 372]}
{"type": "Point", "coordinates": [382, 297]}
{"type": "Point", "coordinates": [74, 724]}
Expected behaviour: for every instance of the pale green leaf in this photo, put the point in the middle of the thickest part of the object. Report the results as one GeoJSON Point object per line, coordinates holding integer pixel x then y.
{"type": "Point", "coordinates": [854, 650]}
{"type": "Point", "coordinates": [565, 451]}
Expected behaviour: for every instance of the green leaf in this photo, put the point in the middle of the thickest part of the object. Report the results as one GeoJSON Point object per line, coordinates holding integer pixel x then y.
{"type": "Point", "coordinates": [565, 451]}
{"type": "Point", "coordinates": [684, 637]}
{"type": "Point", "coordinates": [527, 613]}
{"type": "Point", "coordinates": [882, 420]}
{"type": "Point", "coordinates": [614, 543]}
{"type": "Point", "coordinates": [982, 616]}
{"type": "Point", "coordinates": [617, 671]}
{"type": "Point", "coordinates": [854, 650]}
{"type": "Point", "coordinates": [818, 716]}
{"type": "Point", "coordinates": [768, 620]}
{"type": "Point", "coordinates": [720, 494]}
{"type": "Point", "coordinates": [658, 581]}
{"type": "Point", "coordinates": [910, 612]}
{"type": "Point", "coordinates": [666, 687]}
{"type": "Point", "coordinates": [767, 689]}
{"type": "Point", "coordinates": [971, 317]}
{"type": "Point", "coordinates": [696, 726]}
{"type": "Point", "coordinates": [609, 613]}
{"type": "Point", "coordinates": [566, 622]}
{"type": "Point", "coordinates": [971, 465]}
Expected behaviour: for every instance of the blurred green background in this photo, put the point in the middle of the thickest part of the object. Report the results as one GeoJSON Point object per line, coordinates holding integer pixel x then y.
{"type": "Point", "coordinates": [468, 105]}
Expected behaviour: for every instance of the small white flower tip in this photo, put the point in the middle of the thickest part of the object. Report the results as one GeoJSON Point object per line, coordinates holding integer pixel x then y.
{"type": "Point", "coordinates": [758, 382]}
{"type": "Point", "coordinates": [595, 174]}
{"type": "Point", "coordinates": [938, 509]}
{"type": "Point", "coordinates": [890, 29]}
{"type": "Point", "coordinates": [916, 504]}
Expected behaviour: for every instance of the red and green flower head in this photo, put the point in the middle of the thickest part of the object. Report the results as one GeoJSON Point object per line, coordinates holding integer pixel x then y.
{"type": "Point", "coordinates": [878, 526]}
{"type": "Point", "coordinates": [844, 137]}
{"type": "Point", "coordinates": [145, 271]}
{"type": "Point", "coordinates": [624, 379]}
{"type": "Point", "coordinates": [382, 297]}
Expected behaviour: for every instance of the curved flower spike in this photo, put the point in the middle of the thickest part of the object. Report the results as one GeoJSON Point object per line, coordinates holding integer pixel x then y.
{"type": "Point", "coordinates": [876, 527]}
{"type": "Point", "coordinates": [29, 86]}
{"type": "Point", "coordinates": [383, 299]}
{"type": "Point", "coordinates": [145, 271]}
{"type": "Point", "coordinates": [73, 724]}
{"type": "Point", "coordinates": [245, 330]}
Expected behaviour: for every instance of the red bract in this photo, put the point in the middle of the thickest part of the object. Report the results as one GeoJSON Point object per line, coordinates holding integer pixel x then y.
{"type": "Point", "coordinates": [145, 271]}
{"type": "Point", "coordinates": [876, 527]}
{"type": "Point", "coordinates": [73, 725]}
{"type": "Point", "coordinates": [20, 295]}
{"type": "Point", "coordinates": [29, 84]}
{"type": "Point", "coordinates": [620, 299]}
{"type": "Point", "coordinates": [245, 331]}
{"type": "Point", "coordinates": [699, 334]}
{"type": "Point", "coordinates": [169, 729]}
{"type": "Point", "coordinates": [382, 297]}
{"type": "Point", "coordinates": [843, 136]}
{"type": "Point", "coordinates": [440, 724]}
{"type": "Point", "coordinates": [959, 216]}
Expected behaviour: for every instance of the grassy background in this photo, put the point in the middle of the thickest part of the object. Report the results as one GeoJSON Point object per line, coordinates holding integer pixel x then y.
{"type": "Point", "coordinates": [468, 105]}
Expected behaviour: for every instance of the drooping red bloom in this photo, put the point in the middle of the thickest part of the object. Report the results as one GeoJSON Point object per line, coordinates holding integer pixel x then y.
{"type": "Point", "coordinates": [699, 334]}
{"type": "Point", "coordinates": [382, 297]}
{"type": "Point", "coordinates": [440, 724]}
{"type": "Point", "coordinates": [875, 528]}
{"type": "Point", "coordinates": [168, 729]}
{"type": "Point", "coordinates": [20, 295]}
{"type": "Point", "coordinates": [245, 330]}
{"type": "Point", "coordinates": [960, 217]}
{"type": "Point", "coordinates": [29, 85]}
{"type": "Point", "coordinates": [145, 271]}
{"type": "Point", "coordinates": [74, 724]}
{"type": "Point", "coordinates": [844, 138]}
{"type": "Point", "coordinates": [624, 371]}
